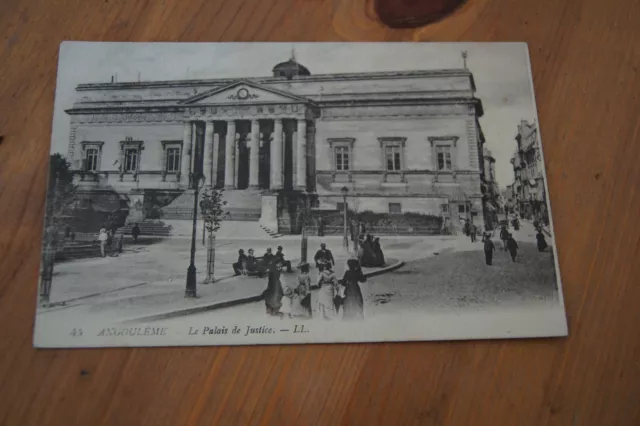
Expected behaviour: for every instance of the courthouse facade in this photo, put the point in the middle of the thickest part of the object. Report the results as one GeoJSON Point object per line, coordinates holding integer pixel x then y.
{"type": "Point", "coordinates": [406, 141]}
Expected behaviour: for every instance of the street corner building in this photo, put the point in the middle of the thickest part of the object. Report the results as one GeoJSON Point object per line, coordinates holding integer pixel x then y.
{"type": "Point", "coordinates": [406, 142]}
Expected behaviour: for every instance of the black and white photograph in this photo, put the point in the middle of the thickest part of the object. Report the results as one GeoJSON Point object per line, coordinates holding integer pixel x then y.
{"type": "Point", "coordinates": [284, 193]}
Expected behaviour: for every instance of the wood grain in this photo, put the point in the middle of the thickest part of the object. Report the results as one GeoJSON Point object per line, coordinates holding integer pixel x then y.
{"type": "Point", "coordinates": [585, 57]}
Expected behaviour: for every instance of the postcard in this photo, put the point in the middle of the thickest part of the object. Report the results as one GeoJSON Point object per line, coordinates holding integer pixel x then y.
{"type": "Point", "coordinates": [282, 193]}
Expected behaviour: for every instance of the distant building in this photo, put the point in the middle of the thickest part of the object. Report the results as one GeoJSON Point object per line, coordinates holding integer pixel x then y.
{"type": "Point", "coordinates": [405, 141]}
{"type": "Point", "coordinates": [528, 168]}
{"type": "Point", "coordinates": [492, 200]}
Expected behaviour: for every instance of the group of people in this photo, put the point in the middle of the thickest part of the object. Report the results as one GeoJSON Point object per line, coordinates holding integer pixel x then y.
{"type": "Point", "coordinates": [335, 299]}
{"type": "Point", "coordinates": [249, 264]}
{"type": "Point", "coordinates": [509, 243]}
{"type": "Point", "coordinates": [107, 237]}
{"type": "Point", "coordinates": [369, 251]}
{"type": "Point", "coordinates": [470, 230]}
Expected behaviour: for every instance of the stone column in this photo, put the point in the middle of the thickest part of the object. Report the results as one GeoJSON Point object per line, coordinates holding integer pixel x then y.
{"type": "Point", "coordinates": [214, 158]}
{"type": "Point", "coordinates": [185, 161]}
{"type": "Point", "coordinates": [229, 148]}
{"type": "Point", "coordinates": [254, 154]}
{"type": "Point", "coordinates": [236, 157]}
{"type": "Point", "coordinates": [301, 155]}
{"type": "Point", "coordinates": [276, 155]}
{"type": "Point", "coordinates": [208, 153]}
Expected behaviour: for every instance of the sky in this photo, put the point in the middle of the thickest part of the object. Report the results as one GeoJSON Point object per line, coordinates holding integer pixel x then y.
{"type": "Point", "coordinates": [501, 72]}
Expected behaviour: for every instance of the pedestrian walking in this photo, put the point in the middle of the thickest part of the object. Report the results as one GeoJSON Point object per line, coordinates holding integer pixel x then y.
{"type": "Point", "coordinates": [541, 241]}
{"type": "Point", "coordinates": [504, 236]}
{"type": "Point", "coordinates": [489, 248]}
{"type": "Point", "coordinates": [102, 238]}
{"type": "Point", "coordinates": [324, 258]}
{"type": "Point", "coordinates": [110, 235]}
{"type": "Point", "coordinates": [274, 293]}
{"type": "Point", "coordinates": [135, 232]}
{"type": "Point", "coordinates": [120, 242]}
{"type": "Point", "coordinates": [328, 283]}
{"type": "Point", "coordinates": [353, 303]}
{"type": "Point", "coordinates": [473, 229]}
{"type": "Point", "coordinates": [512, 246]}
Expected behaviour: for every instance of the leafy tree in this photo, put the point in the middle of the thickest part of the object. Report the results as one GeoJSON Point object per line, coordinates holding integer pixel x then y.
{"type": "Point", "coordinates": [211, 209]}
{"type": "Point", "coordinates": [61, 194]}
{"type": "Point", "coordinates": [212, 214]}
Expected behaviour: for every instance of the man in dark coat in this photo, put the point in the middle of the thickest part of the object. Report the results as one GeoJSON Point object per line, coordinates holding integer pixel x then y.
{"type": "Point", "coordinates": [504, 236]}
{"type": "Point", "coordinates": [135, 231]}
{"type": "Point", "coordinates": [323, 257]}
{"type": "Point", "coordinates": [542, 243]}
{"type": "Point", "coordinates": [279, 256]}
{"type": "Point", "coordinates": [473, 229]}
{"type": "Point", "coordinates": [240, 265]}
{"type": "Point", "coordinates": [268, 257]}
{"type": "Point", "coordinates": [489, 248]}
{"type": "Point", "coordinates": [512, 246]}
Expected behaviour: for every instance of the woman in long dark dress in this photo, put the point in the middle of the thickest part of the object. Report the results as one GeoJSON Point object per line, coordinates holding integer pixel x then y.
{"type": "Point", "coordinates": [353, 303]}
{"type": "Point", "coordinates": [377, 252]}
{"type": "Point", "coordinates": [542, 243]}
{"type": "Point", "coordinates": [274, 292]}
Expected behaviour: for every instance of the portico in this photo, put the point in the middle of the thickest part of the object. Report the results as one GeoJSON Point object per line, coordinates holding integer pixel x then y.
{"type": "Point", "coordinates": [254, 153]}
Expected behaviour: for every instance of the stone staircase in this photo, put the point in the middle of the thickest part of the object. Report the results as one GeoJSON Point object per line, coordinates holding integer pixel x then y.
{"type": "Point", "coordinates": [242, 205]}
{"type": "Point", "coordinates": [272, 233]}
{"type": "Point", "coordinates": [148, 228]}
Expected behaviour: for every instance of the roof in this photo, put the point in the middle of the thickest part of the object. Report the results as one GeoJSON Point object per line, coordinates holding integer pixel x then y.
{"type": "Point", "coordinates": [291, 66]}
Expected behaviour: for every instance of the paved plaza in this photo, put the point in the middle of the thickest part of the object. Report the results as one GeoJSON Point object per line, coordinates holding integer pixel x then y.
{"type": "Point", "coordinates": [439, 272]}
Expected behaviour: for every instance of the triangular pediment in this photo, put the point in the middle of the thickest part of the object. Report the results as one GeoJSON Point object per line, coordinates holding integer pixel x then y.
{"type": "Point", "coordinates": [243, 91]}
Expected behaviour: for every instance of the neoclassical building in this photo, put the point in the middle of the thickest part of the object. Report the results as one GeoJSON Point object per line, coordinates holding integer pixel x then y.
{"type": "Point", "coordinates": [405, 141]}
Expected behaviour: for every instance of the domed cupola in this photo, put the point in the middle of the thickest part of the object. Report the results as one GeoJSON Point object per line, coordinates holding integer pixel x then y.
{"type": "Point", "coordinates": [290, 68]}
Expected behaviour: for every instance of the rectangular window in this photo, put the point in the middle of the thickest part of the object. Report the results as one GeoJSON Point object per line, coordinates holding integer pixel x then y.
{"type": "Point", "coordinates": [91, 160]}
{"type": "Point", "coordinates": [443, 154]}
{"type": "Point", "coordinates": [461, 208]}
{"type": "Point", "coordinates": [131, 159]}
{"type": "Point", "coordinates": [395, 208]}
{"type": "Point", "coordinates": [392, 154]}
{"type": "Point", "coordinates": [342, 158]}
{"type": "Point", "coordinates": [173, 160]}
{"type": "Point", "coordinates": [445, 208]}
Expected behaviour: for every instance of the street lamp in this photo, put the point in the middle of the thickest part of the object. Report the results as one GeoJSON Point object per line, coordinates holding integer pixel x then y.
{"type": "Point", "coordinates": [345, 191]}
{"type": "Point", "coordinates": [197, 183]}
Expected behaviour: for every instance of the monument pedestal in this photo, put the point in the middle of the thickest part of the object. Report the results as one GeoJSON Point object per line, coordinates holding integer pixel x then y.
{"type": "Point", "coordinates": [269, 212]}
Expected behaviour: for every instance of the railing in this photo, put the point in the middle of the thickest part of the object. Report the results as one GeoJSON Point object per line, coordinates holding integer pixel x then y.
{"type": "Point", "coordinates": [379, 230]}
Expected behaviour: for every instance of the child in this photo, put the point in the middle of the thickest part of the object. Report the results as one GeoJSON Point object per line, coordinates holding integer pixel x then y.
{"type": "Point", "coordinates": [287, 302]}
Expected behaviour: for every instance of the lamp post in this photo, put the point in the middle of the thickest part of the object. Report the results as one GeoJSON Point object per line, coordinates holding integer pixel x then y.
{"type": "Point", "coordinates": [197, 182]}
{"type": "Point", "coordinates": [345, 241]}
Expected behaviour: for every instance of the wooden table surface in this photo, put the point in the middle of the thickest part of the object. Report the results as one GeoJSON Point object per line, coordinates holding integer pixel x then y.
{"type": "Point", "coordinates": [586, 60]}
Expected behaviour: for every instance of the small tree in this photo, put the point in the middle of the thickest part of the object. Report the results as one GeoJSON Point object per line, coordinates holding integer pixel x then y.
{"type": "Point", "coordinates": [212, 215]}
